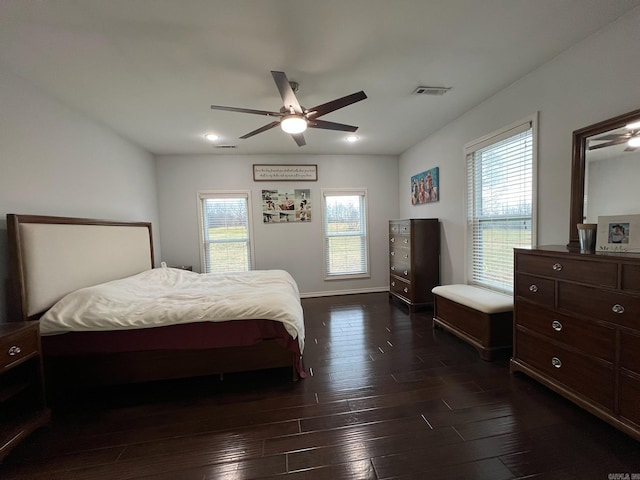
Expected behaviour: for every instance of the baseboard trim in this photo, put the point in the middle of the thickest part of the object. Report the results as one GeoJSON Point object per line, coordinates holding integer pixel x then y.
{"type": "Point", "coordinates": [344, 292]}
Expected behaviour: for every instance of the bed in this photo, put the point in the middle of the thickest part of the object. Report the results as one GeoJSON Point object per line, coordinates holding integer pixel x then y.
{"type": "Point", "coordinates": [60, 265]}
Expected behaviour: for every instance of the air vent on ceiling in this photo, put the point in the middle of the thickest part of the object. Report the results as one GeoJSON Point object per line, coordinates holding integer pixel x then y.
{"type": "Point", "coordinates": [225, 146]}
{"type": "Point", "coordinates": [431, 90]}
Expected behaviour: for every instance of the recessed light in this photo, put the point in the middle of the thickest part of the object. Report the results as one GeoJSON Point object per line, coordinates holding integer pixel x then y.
{"type": "Point", "coordinates": [212, 137]}
{"type": "Point", "coordinates": [352, 138]}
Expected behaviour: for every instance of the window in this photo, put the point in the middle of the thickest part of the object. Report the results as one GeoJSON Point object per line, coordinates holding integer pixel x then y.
{"type": "Point", "coordinates": [501, 203]}
{"type": "Point", "coordinates": [225, 240]}
{"type": "Point", "coordinates": [346, 248]}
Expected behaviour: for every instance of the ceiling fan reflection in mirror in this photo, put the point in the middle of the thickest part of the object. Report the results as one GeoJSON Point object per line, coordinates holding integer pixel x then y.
{"type": "Point", "coordinates": [295, 119]}
{"type": "Point", "coordinates": [629, 134]}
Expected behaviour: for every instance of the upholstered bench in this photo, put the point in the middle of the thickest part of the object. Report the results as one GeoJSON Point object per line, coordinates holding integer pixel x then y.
{"type": "Point", "coordinates": [478, 316]}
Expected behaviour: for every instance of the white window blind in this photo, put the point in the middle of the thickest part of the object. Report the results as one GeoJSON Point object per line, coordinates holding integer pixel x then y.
{"type": "Point", "coordinates": [500, 204]}
{"type": "Point", "coordinates": [225, 235]}
{"type": "Point", "coordinates": [345, 233]}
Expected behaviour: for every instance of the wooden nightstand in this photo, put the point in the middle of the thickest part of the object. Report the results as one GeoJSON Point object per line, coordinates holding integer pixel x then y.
{"type": "Point", "coordinates": [22, 399]}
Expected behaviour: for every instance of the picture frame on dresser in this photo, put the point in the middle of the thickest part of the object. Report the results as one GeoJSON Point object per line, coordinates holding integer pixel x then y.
{"type": "Point", "coordinates": [618, 233]}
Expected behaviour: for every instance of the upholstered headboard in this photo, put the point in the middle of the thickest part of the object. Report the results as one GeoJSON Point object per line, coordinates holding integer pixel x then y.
{"type": "Point", "coordinates": [52, 256]}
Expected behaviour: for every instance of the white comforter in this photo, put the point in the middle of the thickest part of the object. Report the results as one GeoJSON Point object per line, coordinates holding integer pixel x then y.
{"type": "Point", "coordinates": [166, 296]}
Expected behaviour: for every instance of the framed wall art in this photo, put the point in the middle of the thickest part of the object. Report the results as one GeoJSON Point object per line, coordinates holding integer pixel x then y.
{"type": "Point", "coordinates": [283, 206]}
{"type": "Point", "coordinates": [618, 233]}
{"type": "Point", "coordinates": [263, 172]}
{"type": "Point", "coordinates": [425, 187]}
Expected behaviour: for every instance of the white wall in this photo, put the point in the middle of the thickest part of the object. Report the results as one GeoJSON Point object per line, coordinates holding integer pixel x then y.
{"type": "Point", "coordinates": [55, 161]}
{"type": "Point", "coordinates": [295, 247]}
{"type": "Point", "coordinates": [594, 80]}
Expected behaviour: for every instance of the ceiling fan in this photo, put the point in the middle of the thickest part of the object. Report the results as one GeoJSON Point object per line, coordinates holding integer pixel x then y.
{"type": "Point", "coordinates": [630, 136]}
{"type": "Point", "coordinates": [295, 119]}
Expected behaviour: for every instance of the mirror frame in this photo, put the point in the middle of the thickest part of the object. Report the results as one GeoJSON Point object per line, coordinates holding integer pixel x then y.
{"type": "Point", "coordinates": [578, 168]}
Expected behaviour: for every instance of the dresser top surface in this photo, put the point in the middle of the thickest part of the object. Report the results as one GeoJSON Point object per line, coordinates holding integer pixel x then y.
{"type": "Point", "coordinates": [563, 250]}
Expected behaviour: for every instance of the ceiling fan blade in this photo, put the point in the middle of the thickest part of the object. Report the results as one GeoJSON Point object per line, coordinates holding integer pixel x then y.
{"type": "Point", "coordinates": [332, 126]}
{"type": "Point", "coordinates": [611, 137]}
{"type": "Point", "coordinates": [261, 129]}
{"type": "Point", "coordinates": [246, 110]}
{"type": "Point", "coordinates": [299, 138]}
{"type": "Point", "coordinates": [329, 107]}
{"type": "Point", "coordinates": [618, 141]}
{"type": "Point", "coordinates": [286, 92]}
{"type": "Point", "coordinates": [631, 149]}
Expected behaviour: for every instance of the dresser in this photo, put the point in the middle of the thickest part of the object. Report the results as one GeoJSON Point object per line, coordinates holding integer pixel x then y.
{"type": "Point", "coordinates": [414, 260]}
{"type": "Point", "coordinates": [577, 329]}
{"type": "Point", "coordinates": [22, 399]}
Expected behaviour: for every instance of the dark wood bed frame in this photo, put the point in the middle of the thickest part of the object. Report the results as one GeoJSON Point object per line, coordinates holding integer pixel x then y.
{"type": "Point", "coordinates": [137, 366]}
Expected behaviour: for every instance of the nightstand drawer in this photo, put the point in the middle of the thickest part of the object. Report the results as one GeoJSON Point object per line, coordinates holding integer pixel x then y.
{"type": "Point", "coordinates": [18, 346]}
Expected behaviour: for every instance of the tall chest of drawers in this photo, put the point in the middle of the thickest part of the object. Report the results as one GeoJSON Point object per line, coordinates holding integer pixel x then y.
{"type": "Point", "coordinates": [577, 329]}
{"type": "Point", "coordinates": [414, 260]}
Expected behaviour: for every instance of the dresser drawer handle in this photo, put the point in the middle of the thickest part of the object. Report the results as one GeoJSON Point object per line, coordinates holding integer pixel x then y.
{"type": "Point", "coordinates": [557, 267]}
{"type": "Point", "coordinates": [555, 361]}
{"type": "Point", "coordinates": [393, 240]}
{"type": "Point", "coordinates": [406, 256]}
{"type": "Point", "coordinates": [15, 350]}
{"type": "Point", "coordinates": [405, 289]}
{"type": "Point", "coordinates": [406, 272]}
{"type": "Point", "coordinates": [393, 268]}
{"type": "Point", "coordinates": [556, 325]}
{"type": "Point", "coordinates": [533, 288]}
{"type": "Point", "coordinates": [617, 308]}
{"type": "Point", "coordinates": [393, 253]}
{"type": "Point", "coordinates": [393, 284]}
{"type": "Point", "coordinates": [404, 229]}
{"type": "Point", "coordinates": [406, 240]}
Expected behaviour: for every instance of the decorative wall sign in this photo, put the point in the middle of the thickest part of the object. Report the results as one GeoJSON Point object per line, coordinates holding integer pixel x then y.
{"type": "Point", "coordinates": [618, 233]}
{"type": "Point", "coordinates": [282, 206]}
{"type": "Point", "coordinates": [284, 173]}
{"type": "Point", "coordinates": [425, 187]}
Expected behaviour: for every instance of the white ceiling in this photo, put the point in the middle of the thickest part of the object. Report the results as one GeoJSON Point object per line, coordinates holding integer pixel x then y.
{"type": "Point", "coordinates": [150, 69]}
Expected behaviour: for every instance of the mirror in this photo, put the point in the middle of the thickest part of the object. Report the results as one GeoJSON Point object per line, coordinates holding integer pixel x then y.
{"type": "Point", "coordinates": [603, 172]}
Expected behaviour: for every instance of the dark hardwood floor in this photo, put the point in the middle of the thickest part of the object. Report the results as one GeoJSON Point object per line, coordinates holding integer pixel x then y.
{"type": "Point", "coordinates": [387, 397]}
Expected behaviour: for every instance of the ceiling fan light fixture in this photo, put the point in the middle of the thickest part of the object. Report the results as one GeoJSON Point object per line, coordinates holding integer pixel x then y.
{"type": "Point", "coordinates": [293, 124]}
{"type": "Point", "coordinates": [212, 137]}
{"type": "Point", "coordinates": [634, 142]}
{"type": "Point", "coordinates": [633, 125]}
{"type": "Point", "coordinates": [352, 138]}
